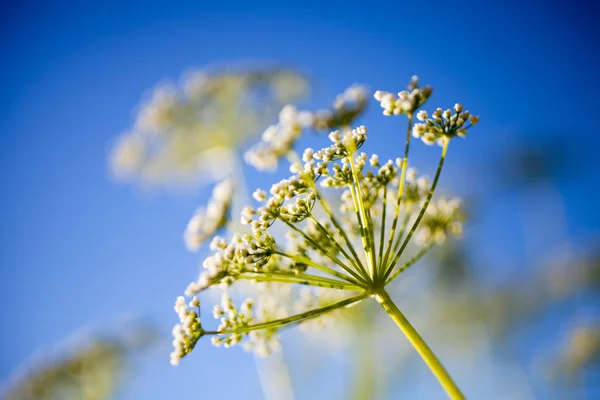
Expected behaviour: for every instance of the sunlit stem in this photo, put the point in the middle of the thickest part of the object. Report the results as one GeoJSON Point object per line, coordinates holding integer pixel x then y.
{"type": "Point", "coordinates": [360, 226]}
{"type": "Point", "coordinates": [419, 344]}
{"type": "Point", "coordinates": [366, 229]}
{"type": "Point", "coordinates": [311, 263]}
{"type": "Point", "coordinates": [382, 230]}
{"type": "Point", "coordinates": [335, 242]}
{"type": "Point", "coordinates": [423, 209]}
{"type": "Point", "coordinates": [324, 252]}
{"type": "Point", "coordinates": [278, 323]}
{"type": "Point", "coordinates": [372, 238]}
{"type": "Point", "coordinates": [299, 279]}
{"type": "Point", "coordinates": [409, 263]}
{"type": "Point", "coordinates": [400, 193]}
{"type": "Point", "coordinates": [338, 227]}
{"type": "Point", "coordinates": [405, 220]}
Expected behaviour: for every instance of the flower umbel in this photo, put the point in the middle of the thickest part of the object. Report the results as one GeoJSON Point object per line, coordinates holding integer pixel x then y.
{"type": "Point", "coordinates": [190, 132]}
{"type": "Point", "coordinates": [355, 248]}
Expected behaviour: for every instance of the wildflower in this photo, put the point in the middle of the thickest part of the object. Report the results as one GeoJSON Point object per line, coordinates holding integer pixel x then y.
{"type": "Point", "coordinates": [352, 251]}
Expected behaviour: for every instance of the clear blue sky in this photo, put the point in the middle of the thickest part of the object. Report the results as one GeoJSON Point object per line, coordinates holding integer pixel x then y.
{"type": "Point", "coordinates": [78, 249]}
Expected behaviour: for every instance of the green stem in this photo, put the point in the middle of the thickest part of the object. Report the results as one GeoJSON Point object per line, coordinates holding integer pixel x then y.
{"type": "Point", "coordinates": [419, 344]}
{"type": "Point", "coordinates": [382, 230]}
{"type": "Point", "coordinates": [409, 263]}
{"type": "Point", "coordinates": [422, 212]}
{"type": "Point", "coordinates": [311, 263]}
{"type": "Point", "coordinates": [335, 242]}
{"type": "Point", "coordinates": [294, 318]}
{"type": "Point", "coordinates": [400, 192]}
{"type": "Point", "coordinates": [337, 225]}
{"type": "Point", "coordinates": [299, 279]}
{"type": "Point", "coordinates": [323, 251]}
{"type": "Point", "coordinates": [366, 228]}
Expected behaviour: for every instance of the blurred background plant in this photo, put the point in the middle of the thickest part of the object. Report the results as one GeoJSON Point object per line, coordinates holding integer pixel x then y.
{"type": "Point", "coordinates": [87, 367]}
{"type": "Point", "coordinates": [193, 132]}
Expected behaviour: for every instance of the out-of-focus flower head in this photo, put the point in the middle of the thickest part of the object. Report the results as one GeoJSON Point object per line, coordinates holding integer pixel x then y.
{"type": "Point", "coordinates": [190, 132]}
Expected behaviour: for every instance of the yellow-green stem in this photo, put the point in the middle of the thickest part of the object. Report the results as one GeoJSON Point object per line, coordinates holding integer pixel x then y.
{"type": "Point", "coordinates": [419, 344]}
{"type": "Point", "coordinates": [337, 226]}
{"type": "Point", "coordinates": [409, 263]}
{"type": "Point", "coordinates": [310, 263]}
{"type": "Point", "coordinates": [324, 252]}
{"type": "Point", "coordinates": [422, 212]}
{"type": "Point", "coordinates": [400, 193]}
{"type": "Point", "coordinates": [367, 229]}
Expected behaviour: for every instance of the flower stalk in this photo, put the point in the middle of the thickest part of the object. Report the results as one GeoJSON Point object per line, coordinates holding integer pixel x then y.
{"type": "Point", "coordinates": [419, 344]}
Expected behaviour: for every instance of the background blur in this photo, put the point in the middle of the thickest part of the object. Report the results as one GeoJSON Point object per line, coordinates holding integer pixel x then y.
{"type": "Point", "coordinates": [80, 251]}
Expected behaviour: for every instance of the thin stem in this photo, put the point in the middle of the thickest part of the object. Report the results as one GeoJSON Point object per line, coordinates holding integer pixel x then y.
{"type": "Point", "coordinates": [338, 226]}
{"type": "Point", "coordinates": [324, 252]}
{"type": "Point", "coordinates": [409, 263]}
{"type": "Point", "coordinates": [311, 263]}
{"type": "Point", "coordinates": [274, 376]}
{"type": "Point", "coordinates": [299, 279]}
{"type": "Point", "coordinates": [419, 344]}
{"type": "Point", "coordinates": [382, 230]}
{"type": "Point", "coordinates": [372, 237]}
{"type": "Point", "coordinates": [294, 318]}
{"type": "Point", "coordinates": [400, 191]}
{"type": "Point", "coordinates": [361, 227]}
{"type": "Point", "coordinates": [423, 209]}
{"type": "Point", "coordinates": [366, 229]}
{"type": "Point", "coordinates": [335, 242]}
{"type": "Point", "coordinates": [402, 229]}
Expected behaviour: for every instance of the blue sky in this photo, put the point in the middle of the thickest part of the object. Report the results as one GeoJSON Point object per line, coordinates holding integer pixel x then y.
{"type": "Point", "coordinates": [78, 249]}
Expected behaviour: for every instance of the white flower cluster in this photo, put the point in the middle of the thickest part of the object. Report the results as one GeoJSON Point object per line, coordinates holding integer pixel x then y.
{"type": "Point", "coordinates": [443, 125]}
{"type": "Point", "coordinates": [188, 331]}
{"type": "Point", "coordinates": [207, 221]}
{"type": "Point", "coordinates": [232, 319]}
{"type": "Point", "coordinates": [407, 101]}
{"type": "Point", "coordinates": [443, 217]}
{"type": "Point", "coordinates": [278, 140]}
{"type": "Point", "coordinates": [346, 108]}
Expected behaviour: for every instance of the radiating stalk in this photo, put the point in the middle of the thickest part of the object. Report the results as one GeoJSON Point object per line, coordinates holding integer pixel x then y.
{"type": "Point", "coordinates": [278, 323]}
{"type": "Point", "coordinates": [409, 263]}
{"type": "Point", "coordinates": [366, 228]}
{"type": "Point", "coordinates": [400, 192]}
{"type": "Point", "coordinates": [422, 212]}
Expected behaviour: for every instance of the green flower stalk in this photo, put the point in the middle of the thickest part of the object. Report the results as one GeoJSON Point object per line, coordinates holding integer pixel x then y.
{"type": "Point", "coordinates": [344, 255]}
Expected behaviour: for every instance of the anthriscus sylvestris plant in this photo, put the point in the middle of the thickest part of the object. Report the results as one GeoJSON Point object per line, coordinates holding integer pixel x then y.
{"type": "Point", "coordinates": [346, 254]}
